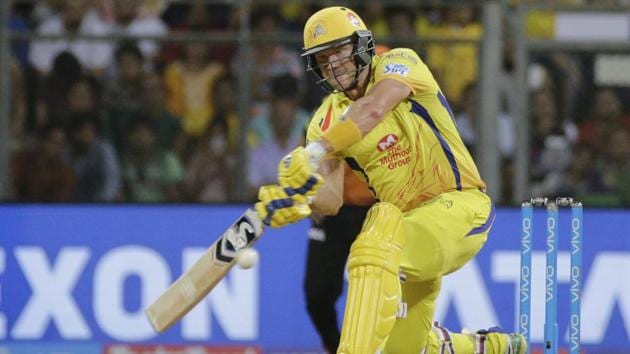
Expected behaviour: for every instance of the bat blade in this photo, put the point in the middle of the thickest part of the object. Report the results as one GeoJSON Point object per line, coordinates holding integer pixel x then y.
{"type": "Point", "coordinates": [194, 284]}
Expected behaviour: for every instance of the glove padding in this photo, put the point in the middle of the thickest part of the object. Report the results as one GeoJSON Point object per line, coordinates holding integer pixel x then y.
{"type": "Point", "coordinates": [296, 173]}
{"type": "Point", "coordinates": [276, 208]}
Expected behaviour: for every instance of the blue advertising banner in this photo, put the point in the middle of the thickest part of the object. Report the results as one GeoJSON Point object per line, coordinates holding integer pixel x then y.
{"type": "Point", "coordinates": [84, 274]}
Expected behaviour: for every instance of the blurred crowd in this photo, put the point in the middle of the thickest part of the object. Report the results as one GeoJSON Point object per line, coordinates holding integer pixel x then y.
{"type": "Point", "coordinates": [157, 121]}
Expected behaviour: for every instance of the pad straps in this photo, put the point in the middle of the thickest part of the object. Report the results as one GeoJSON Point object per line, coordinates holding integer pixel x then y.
{"type": "Point", "coordinates": [446, 343]}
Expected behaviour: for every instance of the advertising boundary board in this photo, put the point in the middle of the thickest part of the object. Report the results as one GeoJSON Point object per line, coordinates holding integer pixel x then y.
{"type": "Point", "coordinates": [83, 274]}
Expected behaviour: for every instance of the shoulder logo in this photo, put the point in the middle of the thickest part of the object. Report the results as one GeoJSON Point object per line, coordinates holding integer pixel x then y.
{"type": "Point", "coordinates": [396, 69]}
{"type": "Point", "coordinates": [402, 55]}
{"type": "Point", "coordinates": [387, 142]}
{"type": "Point", "coordinates": [354, 20]}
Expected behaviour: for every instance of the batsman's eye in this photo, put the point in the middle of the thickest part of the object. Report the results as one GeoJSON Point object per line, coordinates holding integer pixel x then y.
{"type": "Point", "coordinates": [338, 57]}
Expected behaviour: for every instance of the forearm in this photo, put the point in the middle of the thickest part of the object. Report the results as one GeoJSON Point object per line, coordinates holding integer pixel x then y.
{"type": "Point", "coordinates": [363, 115]}
{"type": "Point", "coordinates": [329, 197]}
{"type": "Point", "coordinates": [360, 118]}
{"type": "Point", "coordinates": [327, 201]}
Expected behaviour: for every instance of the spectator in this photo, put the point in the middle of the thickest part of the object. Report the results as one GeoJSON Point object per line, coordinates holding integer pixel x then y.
{"type": "Point", "coordinates": [94, 161]}
{"type": "Point", "coordinates": [295, 14]}
{"type": "Point", "coordinates": [613, 168]}
{"type": "Point", "coordinates": [226, 109]}
{"type": "Point", "coordinates": [42, 10]}
{"type": "Point", "coordinates": [275, 132]}
{"type": "Point", "coordinates": [209, 174]}
{"type": "Point", "coordinates": [74, 18]}
{"type": "Point", "coordinates": [374, 17]}
{"type": "Point", "coordinates": [606, 114]}
{"type": "Point", "coordinates": [189, 84]}
{"type": "Point", "coordinates": [153, 107]}
{"type": "Point", "coordinates": [42, 173]}
{"type": "Point", "coordinates": [122, 96]}
{"type": "Point", "coordinates": [83, 97]}
{"type": "Point", "coordinates": [401, 24]}
{"type": "Point", "coordinates": [209, 170]}
{"type": "Point", "coordinates": [267, 60]}
{"type": "Point", "coordinates": [197, 15]}
{"type": "Point", "coordinates": [466, 121]}
{"type": "Point", "coordinates": [53, 89]}
{"type": "Point", "coordinates": [128, 20]}
{"type": "Point", "coordinates": [562, 75]}
{"type": "Point", "coordinates": [455, 65]}
{"type": "Point", "coordinates": [125, 91]}
{"type": "Point", "coordinates": [150, 173]}
{"type": "Point", "coordinates": [581, 173]}
{"type": "Point", "coordinates": [547, 75]}
{"type": "Point", "coordinates": [428, 17]}
{"type": "Point", "coordinates": [551, 153]}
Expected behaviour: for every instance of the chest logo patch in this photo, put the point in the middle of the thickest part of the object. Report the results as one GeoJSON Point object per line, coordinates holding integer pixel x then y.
{"type": "Point", "coordinates": [387, 142]}
{"type": "Point", "coordinates": [396, 69]}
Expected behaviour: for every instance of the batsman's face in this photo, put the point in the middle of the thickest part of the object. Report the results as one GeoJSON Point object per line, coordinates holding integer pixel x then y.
{"type": "Point", "coordinates": [337, 65]}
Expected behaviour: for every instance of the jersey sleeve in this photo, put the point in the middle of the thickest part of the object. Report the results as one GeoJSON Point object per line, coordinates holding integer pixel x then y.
{"type": "Point", "coordinates": [319, 119]}
{"type": "Point", "coordinates": [404, 65]}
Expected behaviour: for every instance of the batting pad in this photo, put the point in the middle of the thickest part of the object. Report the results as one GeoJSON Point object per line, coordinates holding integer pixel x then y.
{"type": "Point", "coordinates": [374, 291]}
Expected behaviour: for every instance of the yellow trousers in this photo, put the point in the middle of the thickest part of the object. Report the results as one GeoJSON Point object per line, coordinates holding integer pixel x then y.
{"type": "Point", "coordinates": [441, 236]}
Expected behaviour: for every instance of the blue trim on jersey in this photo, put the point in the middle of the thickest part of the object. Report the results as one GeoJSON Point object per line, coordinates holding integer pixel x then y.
{"type": "Point", "coordinates": [486, 225]}
{"type": "Point", "coordinates": [444, 102]}
{"type": "Point", "coordinates": [355, 166]}
{"type": "Point", "coordinates": [418, 109]}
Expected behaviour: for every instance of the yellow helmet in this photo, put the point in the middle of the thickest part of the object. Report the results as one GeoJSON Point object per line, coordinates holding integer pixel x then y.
{"type": "Point", "coordinates": [336, 26]}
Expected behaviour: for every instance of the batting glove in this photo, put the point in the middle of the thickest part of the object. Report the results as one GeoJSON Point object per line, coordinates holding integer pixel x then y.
{"type": "Point", "coordinates": [297, 172]}
{"type": "Point", "coordinates": [276, 208]}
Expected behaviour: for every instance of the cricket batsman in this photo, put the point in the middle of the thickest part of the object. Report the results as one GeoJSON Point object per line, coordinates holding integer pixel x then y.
{"type": "Point", "coordinates": [387, 119]}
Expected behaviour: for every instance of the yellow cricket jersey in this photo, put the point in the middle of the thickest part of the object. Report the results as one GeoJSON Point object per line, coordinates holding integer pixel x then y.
{"type": "Point", "coordinates": [415, 153]}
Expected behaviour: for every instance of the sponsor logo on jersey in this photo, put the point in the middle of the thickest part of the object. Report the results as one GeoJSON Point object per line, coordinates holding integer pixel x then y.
{"type": "Point", "coordinates": [387, 142]}
{"type": "Point", "coordinates": [401, 55]}
{"type": "Point", "coordinates": [397, 156]}
{"type": "Point", "coordinates": [396, 69]}
{"type": "Point", "coordinates": [354, 20]}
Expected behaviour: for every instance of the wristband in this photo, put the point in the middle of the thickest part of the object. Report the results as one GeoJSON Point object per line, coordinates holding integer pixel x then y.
{"type": "Point", "coordinates": [343, 135]}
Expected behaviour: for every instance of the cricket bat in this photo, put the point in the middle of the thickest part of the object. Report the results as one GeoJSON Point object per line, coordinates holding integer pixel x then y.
{"type": "Point", "coordinates": [205, 274]}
